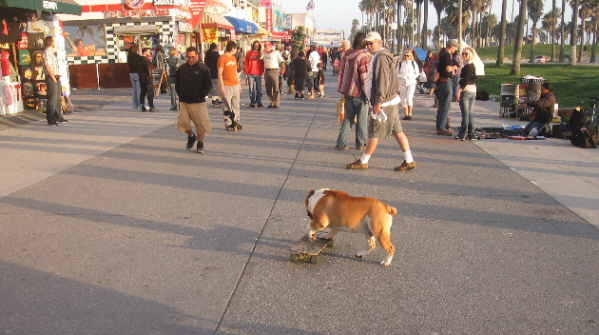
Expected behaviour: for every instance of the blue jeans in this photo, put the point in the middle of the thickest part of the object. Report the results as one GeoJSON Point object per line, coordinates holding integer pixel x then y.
{"type": "Point", "coordinates": [53, 111]}
{"type": "Point", "coordinates": [255, 88]}
{"type": "Point", "coordinates": [173, 96]}
{"type": "Point", "coordinates": [354, 106]}
{"type": "Point", "coordinates": [466, 106]}
{"type": "Point", "coordinates": [455, 81]}
{"type": "Point", "coordinates": [134, 77]}
{"type": "Point", "coordinates": [444, 94]}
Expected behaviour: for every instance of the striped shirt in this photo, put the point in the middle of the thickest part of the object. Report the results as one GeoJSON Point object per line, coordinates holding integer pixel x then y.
{"type": "Point", "coordinates": [51, 61]}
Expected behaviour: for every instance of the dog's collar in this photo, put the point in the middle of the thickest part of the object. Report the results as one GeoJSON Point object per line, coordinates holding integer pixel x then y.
{"type": "Point", "coordinates": [310, 215]}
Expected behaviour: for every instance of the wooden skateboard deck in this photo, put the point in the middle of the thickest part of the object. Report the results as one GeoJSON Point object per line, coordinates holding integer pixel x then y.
{"type": "Point", "coordinates": [305, 249]}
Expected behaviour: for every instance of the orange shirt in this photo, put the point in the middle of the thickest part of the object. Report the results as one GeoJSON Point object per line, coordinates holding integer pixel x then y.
{"type": "Point", "coordinates": [229, 66]}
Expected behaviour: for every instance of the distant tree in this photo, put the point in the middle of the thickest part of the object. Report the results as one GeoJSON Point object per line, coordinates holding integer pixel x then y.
{"type": "Point", "coordinates": [298, 38]}
{"type": "Point", "coordinates": [574, 33]}
{"type": "Point", "coordinates": [502, 35]}
{"type": "Point", "coordinates": [355, 27]}
{"type": "Point", "coordinates": [515, 71]}
{"type": "Point", "coordinates": [535, 11]}
{"type": "Point", "coordinates": [562, 51]}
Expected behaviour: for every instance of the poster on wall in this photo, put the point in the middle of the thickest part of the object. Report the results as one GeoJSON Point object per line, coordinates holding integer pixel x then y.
{"type": "Point", "coordinates": [35, 41]}
{"type": "Point", "coordinates": [24, 57]}
{"type": "Point", "coordinates": [85, 40]}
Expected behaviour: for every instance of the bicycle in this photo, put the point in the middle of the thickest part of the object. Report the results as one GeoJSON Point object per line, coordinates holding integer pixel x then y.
{"type": "Point", "coordinates": [592, 114]}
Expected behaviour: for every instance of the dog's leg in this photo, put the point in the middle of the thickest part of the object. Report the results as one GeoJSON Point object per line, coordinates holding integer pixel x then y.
{"type": "Point", "coordinates": [311, 232]}
{"type": "Point", "coordinates": [384, 239]}
{"type": "Point", "coordinates": [371, 245]}
{"type": "Point", "coordinates": [329, 235]}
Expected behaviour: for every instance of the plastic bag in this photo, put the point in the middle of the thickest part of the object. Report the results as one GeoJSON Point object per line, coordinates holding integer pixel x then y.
{"type": "Point", "coordinates": [340, 111]}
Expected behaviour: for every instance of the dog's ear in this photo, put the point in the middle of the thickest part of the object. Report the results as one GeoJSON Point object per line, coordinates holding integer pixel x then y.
{"type": "Point", "coordinates": [311, 193]}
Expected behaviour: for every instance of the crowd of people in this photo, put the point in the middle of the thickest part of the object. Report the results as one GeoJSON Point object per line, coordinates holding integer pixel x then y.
{"type": "Point", "coordinates": [372, 81]}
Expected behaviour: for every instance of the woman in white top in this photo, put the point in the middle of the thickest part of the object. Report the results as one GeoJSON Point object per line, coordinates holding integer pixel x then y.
{"type": "Point", "coordinates": [408, 79]}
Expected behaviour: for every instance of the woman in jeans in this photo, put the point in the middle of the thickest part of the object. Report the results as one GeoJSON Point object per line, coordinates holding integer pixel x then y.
{"type": "Point", "coordinates": [134, 60]}
{"type": "Point", "coordinates": [466, 95]}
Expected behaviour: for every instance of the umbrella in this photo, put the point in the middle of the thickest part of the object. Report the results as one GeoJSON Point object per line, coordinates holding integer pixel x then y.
{"type": "Point", "coordinates": [421, 53]}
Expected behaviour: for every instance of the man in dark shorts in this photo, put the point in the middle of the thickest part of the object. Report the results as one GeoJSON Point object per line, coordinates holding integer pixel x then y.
{"type": "Point", "coordinates": [382, 89]}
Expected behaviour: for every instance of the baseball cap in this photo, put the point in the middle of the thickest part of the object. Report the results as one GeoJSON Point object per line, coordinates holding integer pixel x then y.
{"type": "Point", "coordinates": [453, 43]}
{"type": "Point", "coordinates": [373, 35]}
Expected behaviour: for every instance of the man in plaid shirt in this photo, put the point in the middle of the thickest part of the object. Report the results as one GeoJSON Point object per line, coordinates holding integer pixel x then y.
{"type": "Point", "coordinates": [352, 75]}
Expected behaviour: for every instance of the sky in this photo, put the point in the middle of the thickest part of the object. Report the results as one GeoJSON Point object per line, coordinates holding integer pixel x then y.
{"type": "Point", "coordinates": [339, 14]}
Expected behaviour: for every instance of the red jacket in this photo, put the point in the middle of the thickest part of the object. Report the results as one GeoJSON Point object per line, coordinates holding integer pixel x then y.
{"type": "Point", "coordinates": [253, 65]}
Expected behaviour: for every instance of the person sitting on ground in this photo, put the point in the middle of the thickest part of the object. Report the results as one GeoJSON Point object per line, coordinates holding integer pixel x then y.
{"type": "Point", "coordinates": [542, 111]}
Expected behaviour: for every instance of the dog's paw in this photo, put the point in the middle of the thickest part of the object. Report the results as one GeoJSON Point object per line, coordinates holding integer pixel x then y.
{"type": "Point", "coordinates": [385, 263]}
{"type": "Point", "coordinates": [360, 254]}
{"type": "Point", "coordinates": [312, 235]}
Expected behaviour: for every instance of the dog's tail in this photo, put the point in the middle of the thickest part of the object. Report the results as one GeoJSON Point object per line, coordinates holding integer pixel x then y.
{"type": "Point", "coordinates": [390, 209]}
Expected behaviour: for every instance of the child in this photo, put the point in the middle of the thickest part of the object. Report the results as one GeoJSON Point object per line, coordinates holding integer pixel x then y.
{"type": "Point", "coordinates": [320, 78]}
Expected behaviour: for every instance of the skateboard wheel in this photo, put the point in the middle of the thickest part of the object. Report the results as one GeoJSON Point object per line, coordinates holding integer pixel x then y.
{"type": "Point", "coordinates": [314, 259]}
{"type": "Point", "coordinates": [293, 258]}
{"type": "Point", "coordinates": [331, 244]}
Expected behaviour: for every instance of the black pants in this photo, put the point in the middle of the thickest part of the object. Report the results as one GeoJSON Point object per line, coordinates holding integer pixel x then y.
{"type": "Point", "coordinates": [146, 89]}
{"type": "Point", "coordinates": [53, 113]}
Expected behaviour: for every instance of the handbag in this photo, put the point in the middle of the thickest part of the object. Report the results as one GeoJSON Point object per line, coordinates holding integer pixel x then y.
{"type": "Point", "coordinates": [422, 78]}
{"type": "Point", "coordinates": [340, 108]}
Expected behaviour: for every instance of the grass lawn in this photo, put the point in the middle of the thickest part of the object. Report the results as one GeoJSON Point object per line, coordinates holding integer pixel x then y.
{"type": "Point", "coordinates": [572, 85]}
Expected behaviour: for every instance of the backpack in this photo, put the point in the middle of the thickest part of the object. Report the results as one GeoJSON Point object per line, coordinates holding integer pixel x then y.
{"type": "Point", "coordinates": [173, 64]}
{"type": "Point", "coordinates": [585, 136]}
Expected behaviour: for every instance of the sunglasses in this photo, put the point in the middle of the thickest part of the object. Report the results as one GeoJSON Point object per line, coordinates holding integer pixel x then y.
{"type": "Point", "coordinates": [369, 43]}
{"type": "Point", "coordinates": [406, 55]}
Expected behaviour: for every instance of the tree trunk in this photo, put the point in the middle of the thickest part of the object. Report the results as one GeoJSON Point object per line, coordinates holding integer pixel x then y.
{"type": "Point", "coordinates": [425, 27]}
{"type": "Point", "coordinates": [593, 49]}
{"type": "Point", "coordinates": [501, 48]}
{"type": "Point", "coordinates": [581, 53]}
{"type": "Point", "coordinates": [519, 38]}
{"type": "Point", "coordinates": [532, 45]}
{"type": "Point", "coordinates": [553, 26]}
{"type": "Point", "coordinates": [574, 33]}
{"type": "Point", "coordinates": [562, 49]}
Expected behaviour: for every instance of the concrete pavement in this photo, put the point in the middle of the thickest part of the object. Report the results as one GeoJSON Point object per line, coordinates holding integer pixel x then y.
{"type": "Point", "coordinates": [112, 227]}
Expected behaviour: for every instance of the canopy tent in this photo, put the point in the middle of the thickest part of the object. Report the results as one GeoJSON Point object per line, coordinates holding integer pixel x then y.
{"type": "Point", "coordinates": [53, 6]}
{"type": "Point", "coordinates": [243, 26]}
{"type": "Point", "coordinates": [421, 53]}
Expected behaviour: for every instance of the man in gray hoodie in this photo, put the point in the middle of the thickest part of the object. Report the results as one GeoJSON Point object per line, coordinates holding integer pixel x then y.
{"type": "Point", "coordinates": [382, 91]}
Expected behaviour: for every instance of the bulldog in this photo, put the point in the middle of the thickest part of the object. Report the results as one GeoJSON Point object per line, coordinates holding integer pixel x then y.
{"type": "Point", "coordinates": [339, 211]}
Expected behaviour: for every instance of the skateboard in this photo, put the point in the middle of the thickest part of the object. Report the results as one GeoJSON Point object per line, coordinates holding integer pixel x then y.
{"type": "Point", "coordinates": [230, 117]}
{"type": "Point", "coordinates": [307, 250]}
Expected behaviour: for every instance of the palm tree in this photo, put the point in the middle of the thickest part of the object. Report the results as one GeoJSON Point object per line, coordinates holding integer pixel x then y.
{"type": "Point", "coordinates": [595, 22]}
{"type": "Point", "coordinates": [423, 43]}
{"type": "Point", "coordinates": [535, 10]}
{"type": "Point", "coordinates": [553, 25]}
{"type": "Point", "coordinates": [515, 71]}
{"type": "Point", "coordinates": [584, 13]}
{"type": "Point", "coordinates": [438, 4]}
{"type": "Point", "coordinates": [562, 51]}
{"type": "Point", "coordinates": [501, 48]}
{"type": "Point", "coordinates": [418, 22]}
{"type": "Point", "coordinates": [573, 34]}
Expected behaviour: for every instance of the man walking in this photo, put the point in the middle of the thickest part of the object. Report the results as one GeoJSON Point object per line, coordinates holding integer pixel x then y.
{"type": "Point", "coordinates": [273, 61]}
{"type": "Point", "coordinates": [382, 91]}
{"type": "Point", "coordinates": [352, 76]}
{"type": "Point", "coordinates": [210, 60]}
{"type": "Point", "coordinates": [230, 88]}
{"type": "Point", "coordinates": [254, 68]}
{"type": "Point", "coordinates": [446, 70]}
{"type": "Point", "coordinates": [53, 87]}
{"type": "Point", "coordinates": [193, 82]}
{"type": "Point", "coordinates": [314, 59]}
{"type": "Point", "coordinates": [145, 81]}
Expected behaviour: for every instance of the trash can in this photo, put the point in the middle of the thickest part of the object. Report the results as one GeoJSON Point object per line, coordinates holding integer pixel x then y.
{"type": "Point", "coordinates": [509, 98]}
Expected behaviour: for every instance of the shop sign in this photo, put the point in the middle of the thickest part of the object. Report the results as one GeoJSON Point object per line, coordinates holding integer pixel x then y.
{"type": "Point", "coordinates": [134, 4]}
{"type": "Point", "coordinates": [164, 3]}
{"type": "Point", "coordinates": [210, 35]}
{"type": "Point", "coordinates": [116, 14]}
{"type": "Point", "coordinates": [216, 8]}
{"type": "Point", "coordinates": [51, 5]}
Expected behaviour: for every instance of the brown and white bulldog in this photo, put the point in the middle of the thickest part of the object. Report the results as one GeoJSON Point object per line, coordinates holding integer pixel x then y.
{"type": "Point", "coordinates": [339, 211]}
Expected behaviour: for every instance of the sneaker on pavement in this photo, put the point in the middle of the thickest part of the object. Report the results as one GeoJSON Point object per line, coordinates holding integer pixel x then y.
{"type": "Point", "coordinates": [405, 166]}
{"type": "Point", "coordinates": [152, 109]}
{"type": "Point", "coordinates": [341, 148]}
{"type": "Point", "coordinates": [357, 165]}
{"type": "Point", "coordinates": [200, 148]}
{"type": "Point", "coordinates": [191, 140]}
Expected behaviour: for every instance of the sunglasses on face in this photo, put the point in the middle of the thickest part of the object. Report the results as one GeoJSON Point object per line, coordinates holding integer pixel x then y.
{"type": "Point", "coordinates": [369, 44]}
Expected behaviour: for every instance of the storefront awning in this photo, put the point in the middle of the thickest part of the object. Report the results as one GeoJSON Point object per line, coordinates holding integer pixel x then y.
{"type": "Point", "coordinates": [243, 26]}
{"type": "Point", "coordinates": [215, 21]}
{"type": "Point", "coordinates": [136, 30]}
{"type": "Point", "coordinates": [262, 31]}
{"type": "Point", "coordinates": [53, 6]}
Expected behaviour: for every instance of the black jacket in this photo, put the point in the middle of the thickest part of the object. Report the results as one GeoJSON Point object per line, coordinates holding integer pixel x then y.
{"type": "Point", "coordinates": [145, 74]}
{"type": "Point", "coordinates": [193, 83]}
{"type": "Point", "coordinates": [210, 60]}
{"type": "Point", "coordinates": [134, 61]}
